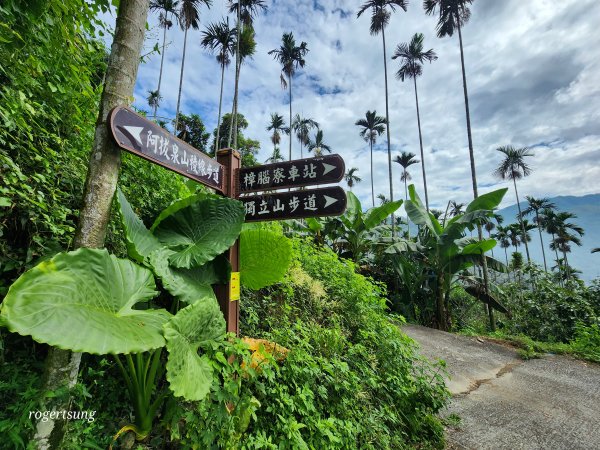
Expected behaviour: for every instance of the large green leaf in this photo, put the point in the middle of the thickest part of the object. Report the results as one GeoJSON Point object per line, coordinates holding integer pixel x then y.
{"type": "Point", "coordinates": [264, 258]}
{"type": "Point", "coordinates": [378, 214]}
{"type": "Point", "coordinates": [353, 210]}
{"type": "Point", "coordinates": [487, 201]}
{"type": "Point", "coordinates": [189, 285]}
{"type": "Point", "coordinates": [83, 301]}
{"type": "Point", "coordinates": [180, 204]}
{"type": "Point", "coordinates": [190, 375]}
{"type": "Point", "coordinates": [201, 231]}
{"type": "Point", "coordinates": [417, 212]}
{"type": "Point", "coordinates": [140, 242]}
{"type": "Point", "coordinates": [479, 247]}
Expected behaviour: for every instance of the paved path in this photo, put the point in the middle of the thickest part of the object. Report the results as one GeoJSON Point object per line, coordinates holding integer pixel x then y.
{"type": "Point", "coordinates": [507, 403]}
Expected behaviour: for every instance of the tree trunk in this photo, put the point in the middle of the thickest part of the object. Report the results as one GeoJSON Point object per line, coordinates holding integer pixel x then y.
{"type": "Point", "coordinates": [162, 60]}
{"type": "Point", "coordinates": [238, 63]}
{"type": "Point", "coordinates": [180, 81]}
{"type": "Point", "coordinates": [473, 171]}
{"type": "Point", "coordinates": [537, 219]}
{"type": "Point", "coordinates": [103, 172]}
{"type": "Point", "coordinates": [217, 145]}
{"type": "Point", "coordinates": [406, 199]}
{"type": "Point", "coordinates": [372, 185]}
{"type": "Point", "coordinates": [421, 144]}
{"type": "Point", "coordinates": [387, 128]}
{"type": "Point", "coordinates": [441, 313]}
{"type": "Point", "coordinates": [521, 221]}
{"type": "Point", "coordinates": [290, 87]}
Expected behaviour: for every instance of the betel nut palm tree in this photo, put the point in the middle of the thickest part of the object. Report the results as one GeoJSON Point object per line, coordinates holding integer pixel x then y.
{"type": "Point", "coordinates": [452, 16]}
{"type": "Point", "coordinates": [318, 145]}
{"type": "Point", "coordinates": [302, 126]}
{"type": "Point", "coordinates": [372, 126]}
{"type": "Point", "coordinates": [165, 8]}
{"type": "Point", "coordinates": [535, 205]}
{"type": "Point", "coordinates": [351, 178]}
{"type": "Point", "coordinates": [246, 11]}
{"type": "Point", "coordinates": [277, 126]}
{"type": "Point", "coordinates": [412, 56]}
{"type": "Point", "coordinates": [564, 234]}
{"type": "Point", "coordinates": [406, 159]}
{"type": "Point", "coordinates": [291, 57]}
{"type": "Point", "coordinates": [514, 167]}
{"type": "Point", "coordinates": [189, 17]}
{"type": "Point", "coordinates": [381, 11]}
{"type": "Point", "coordinates": [219, 38]}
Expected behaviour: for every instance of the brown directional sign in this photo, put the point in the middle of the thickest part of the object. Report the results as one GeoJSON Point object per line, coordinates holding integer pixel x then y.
{"type": "Point", "coordinates": [329, 201]}
{"type": "Point", "coordinates": [144, 138]}
{"type": "Point", "coordinates": [300, 172]}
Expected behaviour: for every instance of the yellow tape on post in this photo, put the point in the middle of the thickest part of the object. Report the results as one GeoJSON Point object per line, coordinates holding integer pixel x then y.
{"type": "Point", "coordinates": [234, 287]}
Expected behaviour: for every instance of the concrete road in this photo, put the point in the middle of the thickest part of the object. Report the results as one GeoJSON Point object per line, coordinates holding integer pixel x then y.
{"type": "Point", "coordinates": [507, 403]}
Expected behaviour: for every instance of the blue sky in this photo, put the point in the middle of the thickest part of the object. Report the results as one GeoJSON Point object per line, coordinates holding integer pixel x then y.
{"type": "Point", "coordinates": [532, 67]}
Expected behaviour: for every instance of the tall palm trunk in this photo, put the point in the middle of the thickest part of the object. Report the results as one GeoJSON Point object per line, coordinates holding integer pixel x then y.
{"type": "Point", "coordinates": [537, 219]}
{"type": "Point", "coordinates": [162, 60]}
{"type": "Point", "coordinates": [524, 233]}
{"type": "Point", "coordinates": [421, 144]}
{"type": "Point", "coordinates": [372, 185]}
{"type": "Point", "coordinates": [566, 264]}
{"type": "Point", "coordinates": [62, 366]}
{"type": "Point", "coordinates": [473, 172]}
{"type": "Point", "coordinates": [406, 199]}
{"type": "Point", "coordinates": [238, 62]}
{"type": "Point", "coordinates": [290, 86]}
{"type": "Point", "coordinates": [217, 145]}
{"type": "Point", "coordinates": [181, 79]}
{"type": "Point", "coordinates": [387, 128]}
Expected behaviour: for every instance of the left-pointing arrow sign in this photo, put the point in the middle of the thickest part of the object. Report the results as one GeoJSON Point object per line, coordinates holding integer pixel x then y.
{"type": "Point", "coordinates": [144, 138]}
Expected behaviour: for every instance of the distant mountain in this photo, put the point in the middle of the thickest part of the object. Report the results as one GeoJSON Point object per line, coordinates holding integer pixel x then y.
{"type": "Point", "coordinates": [587, 209]}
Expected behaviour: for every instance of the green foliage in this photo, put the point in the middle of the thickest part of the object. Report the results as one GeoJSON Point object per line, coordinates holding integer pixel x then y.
{"type": "Point", "coordinates": [92, 296]}
{"type": "Point", "coordinates": [201, 231]}
{"type": "Point", "coordinates": [191, 129]}
{"type": "Point", "coordinates": [352, 378]}
{"type": "Point", "coordinates": [51, 71]}
{"type": "Point", "coordinates": [446, 253]}
{"type": "Point", "coordinates": [546, 311]}
{"type": "Point", "coordinates": [264, 257]}
{"type": "Point", "coordinates": [190, 375]}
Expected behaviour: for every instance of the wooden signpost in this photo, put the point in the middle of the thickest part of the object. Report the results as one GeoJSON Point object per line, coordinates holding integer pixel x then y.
{"type": "Point", "coordinates": [144, 138]}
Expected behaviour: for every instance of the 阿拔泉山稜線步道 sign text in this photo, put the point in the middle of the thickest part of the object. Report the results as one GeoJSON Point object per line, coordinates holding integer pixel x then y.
{"type": "Point", "coordinates": [144, 138]}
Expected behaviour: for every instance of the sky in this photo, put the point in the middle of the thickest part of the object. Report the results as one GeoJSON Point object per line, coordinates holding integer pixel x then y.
{"type": "Point", "coordinates": [532, 72]}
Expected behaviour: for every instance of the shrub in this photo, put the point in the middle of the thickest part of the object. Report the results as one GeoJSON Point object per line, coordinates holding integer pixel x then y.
{"type": "Point", "coordinates": [352, 378]}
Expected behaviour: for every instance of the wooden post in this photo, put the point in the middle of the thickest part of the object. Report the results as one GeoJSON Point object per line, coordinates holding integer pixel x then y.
{"type": "Point", "coordinates": [230, 305]}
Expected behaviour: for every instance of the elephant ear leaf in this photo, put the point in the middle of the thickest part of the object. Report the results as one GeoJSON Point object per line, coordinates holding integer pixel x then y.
{"type": "Point", "coordinates": [83, 301]}
{"type": "Point", "coordinates": [140, 242]}
{"type": "Point", "coordinates": [201, 231]}
{"type": "Point", "coordinates": [190, 285]}
{"type": "Point", "coordinates": [190, 375]}
{"type": "Point", "coordinates": [264, 258]}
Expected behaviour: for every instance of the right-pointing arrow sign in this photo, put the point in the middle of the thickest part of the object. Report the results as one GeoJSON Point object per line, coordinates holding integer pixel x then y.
{"type": "Point", "coordinates": [329, 200]}
{"type": "Point", "coordinates": [327, 168]}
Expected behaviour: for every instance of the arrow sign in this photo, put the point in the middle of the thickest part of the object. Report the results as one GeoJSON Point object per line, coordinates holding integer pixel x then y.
{"type": "Point", "coordinates": [300, 172]}
{"type": "Point", "coordinates": [329, 201]}
{"type": "Point", "coordinates": [144, 138]}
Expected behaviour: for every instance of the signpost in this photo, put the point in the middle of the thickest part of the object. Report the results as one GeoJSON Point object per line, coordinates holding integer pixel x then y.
{"type": "Point", "coordinates": [144, 138]}
{"type": "Point", "coordinates": [329, 201]}
{"type": "Point", "coordinates": [300, 172]}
